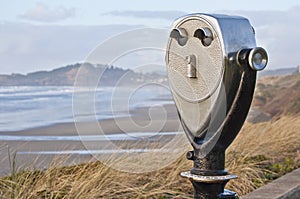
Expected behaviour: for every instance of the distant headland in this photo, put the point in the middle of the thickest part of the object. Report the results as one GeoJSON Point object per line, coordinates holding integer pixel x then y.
{"type": "Point", "coordinates": [66, 76]}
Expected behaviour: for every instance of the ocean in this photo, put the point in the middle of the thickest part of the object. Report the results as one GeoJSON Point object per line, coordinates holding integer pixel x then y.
{"type": "Point", "coordinates": [26, 107]}
{"type": "Point", "coordinates": [29, 107]}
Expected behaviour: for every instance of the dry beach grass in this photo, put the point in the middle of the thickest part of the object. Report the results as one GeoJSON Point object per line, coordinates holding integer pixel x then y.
{"type": "Point", "coordinates": [260, 153]}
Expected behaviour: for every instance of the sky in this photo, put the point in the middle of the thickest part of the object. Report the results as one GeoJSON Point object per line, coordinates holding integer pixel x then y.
{"type": "Point", "coordinates": [43, 35]}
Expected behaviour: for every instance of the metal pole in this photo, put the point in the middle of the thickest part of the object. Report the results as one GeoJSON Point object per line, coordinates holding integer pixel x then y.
{"type": "Point", "coordinates": [209, 177]}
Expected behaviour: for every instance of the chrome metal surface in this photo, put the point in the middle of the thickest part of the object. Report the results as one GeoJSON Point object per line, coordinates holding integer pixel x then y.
{"type": "Point", "coordinates": [205, 95]}
{"type": "Point", "coordinates": [208, 179]}
{"type": "Point", "coordinates": [205, 35]}
{"type": "Point", "coordinates": [191, 66]}
{"type": "Point", "coordinates": [258, 59]}
{"type": "Point", "coordinates": [180, 35]}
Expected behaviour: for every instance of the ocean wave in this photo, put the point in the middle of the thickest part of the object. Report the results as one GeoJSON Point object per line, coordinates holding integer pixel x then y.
{"type": "Point", "coordinates": [103, 151]}
{"type": "Point", "coordinates": [108, 137]}
{"type": "Point", "coordinates": [29, 107]}
{"type": "Point", "coordinates": [42, 91]}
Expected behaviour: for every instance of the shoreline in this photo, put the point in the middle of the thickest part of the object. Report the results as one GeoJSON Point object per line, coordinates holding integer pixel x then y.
{"type": "Point", "coordinates": [140, 121]}
{"type": "Point", "coordinates": [137, 122]}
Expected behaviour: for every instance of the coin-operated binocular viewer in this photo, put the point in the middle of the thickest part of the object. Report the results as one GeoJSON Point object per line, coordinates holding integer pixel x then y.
{"type": "Point", "coordinates": [212, 63]}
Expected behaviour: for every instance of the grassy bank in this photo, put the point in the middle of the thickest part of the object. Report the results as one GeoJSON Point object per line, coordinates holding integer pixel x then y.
{"type": "Point", "coordinates": [261, 153]}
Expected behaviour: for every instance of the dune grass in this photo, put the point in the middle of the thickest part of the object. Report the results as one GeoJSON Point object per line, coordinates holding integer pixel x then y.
{"type": "Point", "coordinates": [261, 153]}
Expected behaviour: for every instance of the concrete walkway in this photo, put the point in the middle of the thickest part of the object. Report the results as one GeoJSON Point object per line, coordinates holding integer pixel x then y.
{"type": "Point", "coordinates": [286, 187]}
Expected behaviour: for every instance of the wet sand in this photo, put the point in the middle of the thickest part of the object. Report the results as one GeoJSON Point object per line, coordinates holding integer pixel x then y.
{"type": "Point", "coordinates": [141, 121]}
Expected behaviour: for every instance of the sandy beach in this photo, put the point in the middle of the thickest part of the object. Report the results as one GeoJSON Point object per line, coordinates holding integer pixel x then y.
{"type": "Point", "coordinates": [142, 120]}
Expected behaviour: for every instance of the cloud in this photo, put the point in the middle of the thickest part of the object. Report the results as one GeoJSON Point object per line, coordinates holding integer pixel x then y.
{"type": "Point", "coordinates": [42, 13]}
{"type": "Point", "coordinates": [46, 46]}
{"type": "Point", "coordinates": [43, 47]}
{"type": "Point", "coordinates": [167, 15]}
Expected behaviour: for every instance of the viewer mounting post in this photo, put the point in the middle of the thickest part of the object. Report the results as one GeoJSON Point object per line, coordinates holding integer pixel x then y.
{"type": "Point", "coordinates": [212, 62]}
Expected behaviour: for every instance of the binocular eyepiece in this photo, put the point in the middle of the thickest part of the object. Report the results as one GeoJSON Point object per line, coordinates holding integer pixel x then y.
{"type": "Point", "coordinates": [256, 58]}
